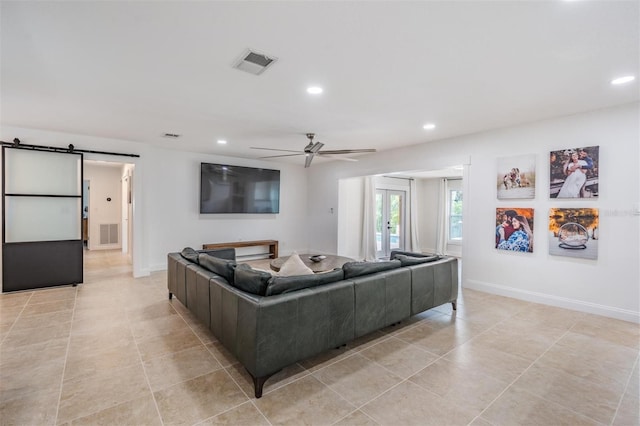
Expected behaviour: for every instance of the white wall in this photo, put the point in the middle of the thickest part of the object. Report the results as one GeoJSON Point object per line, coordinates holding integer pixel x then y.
{"type": "Point", "coordinates": [350, 209]}
{"type": "Point", "coordinates": [166, 190]}
{"type": "Point", "coordinates": [172, 191]}
{"type": "Point", "coordinates": [608, 285]}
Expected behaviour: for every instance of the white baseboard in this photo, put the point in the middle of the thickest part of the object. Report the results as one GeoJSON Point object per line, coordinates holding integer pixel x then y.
{"type": "Point", "coordinates": [561, 302]}
{"type": "Point", "coordinates": [157, 267]}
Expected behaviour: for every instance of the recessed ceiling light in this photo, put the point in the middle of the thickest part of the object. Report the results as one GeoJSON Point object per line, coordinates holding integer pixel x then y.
{"type": "Point", "coordinates": [429, 126]}
{"type": "Point", "coordinates": [623, 80]}
{"type": "Point", "coordinates": [314, 90]}
{"type": "Point", "coordinates": [222, 141]}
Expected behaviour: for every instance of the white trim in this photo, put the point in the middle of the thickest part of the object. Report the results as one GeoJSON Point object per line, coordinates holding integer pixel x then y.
{"type": "Point", "coordinates": [561, 302]}
{"type": "Point", "coordinates": [157, 267]}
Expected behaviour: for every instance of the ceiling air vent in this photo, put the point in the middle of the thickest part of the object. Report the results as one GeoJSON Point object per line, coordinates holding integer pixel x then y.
{"type": "Point", "coordinates": [254, 62]}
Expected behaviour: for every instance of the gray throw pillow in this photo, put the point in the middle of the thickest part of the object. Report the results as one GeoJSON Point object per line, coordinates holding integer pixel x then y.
{"type": "Point", "coordinates": [190, 254]}
{"type": "Point", "coordinates": [223, 253]}
{"type": "Point", "coordinates": [279, 284]}
{"type": "Point", "coordinates": [410, 260]}
{"type": "Point", "coordinates": [248, 279]}
{"type": "Point", "coordinates": [222, 267]}
{"type": "Point", "coordinates": [355, 269]}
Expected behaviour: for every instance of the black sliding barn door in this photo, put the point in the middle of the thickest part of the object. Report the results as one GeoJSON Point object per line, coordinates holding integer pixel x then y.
{"type": "Point", "coordinates": [41, 218]}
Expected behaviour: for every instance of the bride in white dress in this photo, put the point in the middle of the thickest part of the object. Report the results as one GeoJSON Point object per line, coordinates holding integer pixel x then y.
{"type": "Point", "coordinates": [575, 177]}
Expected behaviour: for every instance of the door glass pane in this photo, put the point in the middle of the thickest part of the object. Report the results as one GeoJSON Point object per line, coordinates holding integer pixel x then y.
{"type": "Point", "coordinates": [379, 219]}
{"type": "Point", "coordinates": [37, 172]}
{"type": "Point", "coordinates": [395, 215]}
{"type": "Point", "coordinates": [455, 215]}
{"type": "Point", "coordinates": [41, 219]}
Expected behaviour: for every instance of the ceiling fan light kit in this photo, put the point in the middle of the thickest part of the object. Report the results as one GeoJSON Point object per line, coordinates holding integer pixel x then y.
{"type": "Point", "coordinates": [314, 148]}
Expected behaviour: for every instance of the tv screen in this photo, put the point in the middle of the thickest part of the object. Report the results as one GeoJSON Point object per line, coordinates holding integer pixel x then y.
{"type": "Point", "coordinates": [235, 189]}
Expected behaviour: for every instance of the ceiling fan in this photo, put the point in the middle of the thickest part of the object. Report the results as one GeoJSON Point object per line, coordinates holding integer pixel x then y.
{"type": "Point", "coordinates": [312, 149]}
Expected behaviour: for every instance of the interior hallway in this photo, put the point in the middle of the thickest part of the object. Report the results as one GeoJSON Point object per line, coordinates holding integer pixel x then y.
{"type": "Point", "coordinates": [115, 350]}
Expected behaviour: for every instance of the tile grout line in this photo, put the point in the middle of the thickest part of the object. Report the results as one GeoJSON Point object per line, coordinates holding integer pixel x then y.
{"type": "Point", "coordinates": [442, 357]}
{"type": "Point", "coordinates": [17, 318]}
{"type": "Point", "coordinates": [249, 397]}
{"type": "Point", "coordinates": [144, 370]}
{"type": "Point", "coordinates": [626, 388]}
{"type": "Point", "coordinates": [359, 407]}
{"type": "Point", "coordinates": [524, 372]}
{"type": "Point", "coordinates": [66, 356]}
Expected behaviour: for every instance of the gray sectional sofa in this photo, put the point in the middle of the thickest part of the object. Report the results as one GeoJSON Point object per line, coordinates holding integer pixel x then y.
{"type": "Point", "coordinates": [305, 315]}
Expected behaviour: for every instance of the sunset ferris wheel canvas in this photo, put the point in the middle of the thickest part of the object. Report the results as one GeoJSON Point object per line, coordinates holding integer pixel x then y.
{"type": "Point", "coordinates": [574, 232]}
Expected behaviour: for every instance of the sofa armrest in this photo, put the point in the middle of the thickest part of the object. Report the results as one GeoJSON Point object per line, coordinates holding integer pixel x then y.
{"type": "Point", "coordinates": [433, 284]}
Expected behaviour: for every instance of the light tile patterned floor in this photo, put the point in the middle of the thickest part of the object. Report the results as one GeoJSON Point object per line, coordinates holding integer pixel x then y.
{"type": "Point", "coordinates": [115, 350]}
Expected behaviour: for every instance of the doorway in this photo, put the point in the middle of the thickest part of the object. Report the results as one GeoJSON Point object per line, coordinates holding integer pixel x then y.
{"type": "Point", "coordinates": [390, 221]}
{"type": "Point", "coordinates": [109, 211]}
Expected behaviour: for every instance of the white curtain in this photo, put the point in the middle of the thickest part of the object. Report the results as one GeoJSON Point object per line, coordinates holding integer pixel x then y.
{"type": "Point", "coordinates": [442, 222]}
{"type": "Point", "coordinates": [368, 248]}
{"type": "Point", "coordinates": [414, 244]}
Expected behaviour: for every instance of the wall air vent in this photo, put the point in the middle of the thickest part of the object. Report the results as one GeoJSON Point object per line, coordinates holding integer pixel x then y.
{"type": "Point", "coordinates": [254, 62]}
{"type": "Point", "coordinates": [171, 135]}
{"type": "Point", "coordinates": [109, 233]}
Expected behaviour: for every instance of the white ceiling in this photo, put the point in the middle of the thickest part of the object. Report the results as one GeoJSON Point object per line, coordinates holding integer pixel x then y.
{"type": "Point", "coordinates": [135, 70]}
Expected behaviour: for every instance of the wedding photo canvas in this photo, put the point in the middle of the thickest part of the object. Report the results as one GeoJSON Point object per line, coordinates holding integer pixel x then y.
{"type": "Point", "coordinates": [574, 172]}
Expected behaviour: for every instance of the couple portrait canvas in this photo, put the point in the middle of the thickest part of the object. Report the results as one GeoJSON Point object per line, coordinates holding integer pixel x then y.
{"type": "Point", "coordinates": [514, 229]}
{"type": "Point", "coordinates": [573, 172]}
{"type": "Point", "coordinates": [516, 177]}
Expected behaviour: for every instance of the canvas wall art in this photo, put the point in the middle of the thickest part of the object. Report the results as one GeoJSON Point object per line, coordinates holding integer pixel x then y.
{"type": "Point", "coordinates": [516, 177]}
{"type": "Point", "coordinates": [573, 172]}
{"type": "Point", "coordinates": [514, 229]}
{"type": "Point", "coordinates": [574, 232]}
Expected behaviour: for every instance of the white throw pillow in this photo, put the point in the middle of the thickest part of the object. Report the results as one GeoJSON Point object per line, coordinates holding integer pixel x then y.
{"type": "Point", "coordinates": [294, 266]}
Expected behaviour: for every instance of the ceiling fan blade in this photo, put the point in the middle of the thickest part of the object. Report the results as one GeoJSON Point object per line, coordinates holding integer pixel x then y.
{"type": "Point", "coordinates": [283, 155]}
{"type": "Point", "coordinates": [347, 151]}
{"type": "Point", "coordinates": [336, 157]}
{"type": "Point", "coordinates": [308, 159]}
{"type": "Point", "coordinates": [274, 149]}
{"type": "Point", "coordinates": [316, 147]}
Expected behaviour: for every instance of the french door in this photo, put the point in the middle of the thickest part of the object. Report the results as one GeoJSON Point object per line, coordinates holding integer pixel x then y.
{"type": "Point", "coordinates": [390, 221]}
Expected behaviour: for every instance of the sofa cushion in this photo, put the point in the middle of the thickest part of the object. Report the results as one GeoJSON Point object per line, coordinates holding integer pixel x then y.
{"type": "Point", "coordinates": [395, 253]}
{"type": "Point", "coordinates": [294, 266]}
{"type": "Point", "coordinates": [355, 269]}
{"type": "Point", "coordinates": [280, 284]}
{"type": "Point", "coordinates": [248, 279]}
{"type": "Point", "coordinates": [190, 254]}
{"type": "Point", "coordinates": [222, 267]}
{"type": "Point", "coordinates": [410, 260]}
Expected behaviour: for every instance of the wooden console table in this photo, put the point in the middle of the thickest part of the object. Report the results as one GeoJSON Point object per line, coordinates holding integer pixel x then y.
{"type": "Point", "coordinates": [273, 246]}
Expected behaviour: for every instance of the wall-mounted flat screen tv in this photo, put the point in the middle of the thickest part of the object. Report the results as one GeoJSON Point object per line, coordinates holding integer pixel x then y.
{"type": "Point", "coordinates": [235, 189]}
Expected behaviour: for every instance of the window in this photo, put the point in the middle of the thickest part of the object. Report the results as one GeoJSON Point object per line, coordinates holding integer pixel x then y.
{"type": "Point", "coordinates": [454, 216]}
